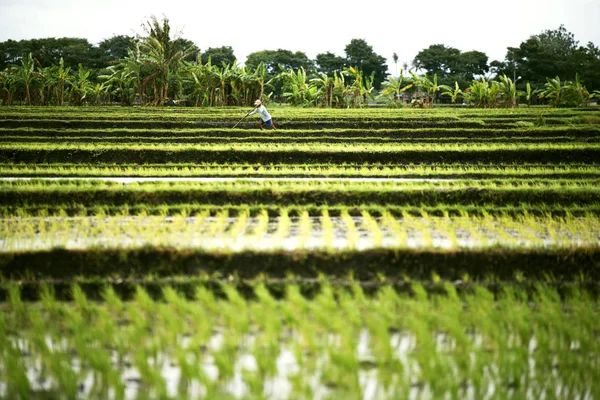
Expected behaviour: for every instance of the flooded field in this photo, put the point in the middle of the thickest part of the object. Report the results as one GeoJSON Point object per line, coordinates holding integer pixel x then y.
{"type": "Point", "coordinates": [156, 253]}
{"type": "Point", "coordinates": [243, 232]}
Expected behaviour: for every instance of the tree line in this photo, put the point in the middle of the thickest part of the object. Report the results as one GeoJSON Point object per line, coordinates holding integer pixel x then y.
{"type": "Point", "coordinates": [159, 67]}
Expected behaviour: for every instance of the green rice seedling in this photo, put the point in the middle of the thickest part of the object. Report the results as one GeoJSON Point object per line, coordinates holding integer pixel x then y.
{"type": "Point", "coordinates": [283, 227]}
{"type": "Point", "coordinates": [260, 229]}
{"type": "Point", "coordinates": [327, 229]}
{"type": "Point", "coordinates": [219, 225]}
{"type": "Point", "coordinates": [238, 228]}
{"type": "Point", "coordinates": [266, 350]}
{"type": "Point", "coordinates": [145, 362]}
{"type": "Point", "coordinates": [235, 311]}
{"type": "Point", "coordinates": [225, 357]}
{"type": "Point", "coordinates": [341, 372]}
{"type": "Point", "coordinates": [174, 315]}
{"type": "Point", "coordinates": [373, 228]}
{"type": "Point", "coordinates": [397, 230]}
{"type": "Point", "coordinates": [54, 356]}
{"type": "Point", "coordinates": [14, 372]}
{"type": "Point", "coordinates": [16, 304]}
{"type": "Point", "coordinates": [450, 226]}
{"type": "Point", "coordinates": [352, 234]}
{"type": "Point", "coordinates": [200, 219]}
{"type": "Point", "coordinates": [425, 226]}
{"type": "Point", "coordinates": [266, 311]}
{"type": "Point", "coordinates": [305, 229]}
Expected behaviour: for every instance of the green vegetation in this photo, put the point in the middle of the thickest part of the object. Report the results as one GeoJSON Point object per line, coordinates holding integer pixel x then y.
{"type": "Point", "coordinates": [342, 342]}
{"type": "Point", "coordinates": [157, 253]}
{"type": "Point", "coordinates": [232, 170]}
{"type": "Point", "coordinates": [158, 67]}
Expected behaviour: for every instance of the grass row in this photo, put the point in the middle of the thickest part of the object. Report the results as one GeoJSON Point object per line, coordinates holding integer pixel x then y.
{"type": "Point", "coordinates": [243, 231]}
{"type": "Point", "coordinates": [339, 344]}
{"type": "Point", "coordinates": [284, 124]}
{"type": "Point", "coordinates": [207, 113]}
{"type": "Point", "coordinates": [484, 193]}
{"type": "Point", "coordinates": [195, 209]}
{"type": "Point", "coordinates": [279, 139]}
{"type": "Point", "coordinates": [450, 171]}
{"type": "Point", "coordinates": [563, 263]}
{"type": "Point", "coordinates": [557, 131]}
{"type": "Point", "coordinates": [334, 184]}
{"type": "Point", "coordinates": [301, 153]}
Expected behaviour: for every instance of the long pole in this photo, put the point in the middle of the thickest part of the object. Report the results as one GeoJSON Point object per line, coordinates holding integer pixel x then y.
{"type": "Point", "coordinates": [240, 120]}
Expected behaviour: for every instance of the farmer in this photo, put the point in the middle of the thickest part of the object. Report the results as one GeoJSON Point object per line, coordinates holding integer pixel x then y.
{"type": "Point", "coordinates": [265, 117]}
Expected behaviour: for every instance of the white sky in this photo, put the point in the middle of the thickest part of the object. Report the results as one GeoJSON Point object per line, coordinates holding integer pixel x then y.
{"type": "Point", "coordinates": [312, 26]}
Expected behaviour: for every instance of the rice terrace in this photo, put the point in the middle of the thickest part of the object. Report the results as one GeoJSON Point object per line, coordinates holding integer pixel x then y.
{"type": "Point", "coordinates": [355, 251]}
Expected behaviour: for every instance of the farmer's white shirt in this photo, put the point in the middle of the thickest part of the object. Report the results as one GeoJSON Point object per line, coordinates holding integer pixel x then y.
{"type": "Point", "coordinates": [262, 111]}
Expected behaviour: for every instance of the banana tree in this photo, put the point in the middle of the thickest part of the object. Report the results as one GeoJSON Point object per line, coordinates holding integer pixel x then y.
{"type": "Point", "coordinates": [362, 88]}
{"type": "Point", "coordinates": [575, 94]}
{"type": "Point", "coordinates": [7, 87]}
{"type": "Point", "coordinates": [324, 85]}
{"type": "Point", "coordinates": [430, 86]}
{"type": "Point", "coordinates": [81, 86]}
{"type": "Point", "coordinates": [340, 90]}
{"type": "Point", "coordinates": [221, 75]}
{"type": "Point", "coordinates": [553, 91]}
{"type": "Point", "coordinates": [453, 93]}
{"type": "Point", "coordinates": [296, 88]}
{"type": "Point", "coordinates": [482, 93]}
{"type": "Point", "coordinates": [367, 88]}
{"type": "Point", "coordinates": [121, 83]}
{"type": "Point", "coordinates": [530, 94]}
{"type": "Point", "coordinates": [393, 88]}
{"type": "Point", "coordinates": [260, 73]}
{"type": "Point", "coordinates": [63, 77]}
{"type": "Point", "coordinates": [508, 91]}
{"type": "Point", "coordinates": [55, 79]}
{"type": "Point", "coordinates": [99, 93]}
{"type": "Point", "coordinates": [195, 82]}
{"type": "Point", "coordinates": [26, 75]}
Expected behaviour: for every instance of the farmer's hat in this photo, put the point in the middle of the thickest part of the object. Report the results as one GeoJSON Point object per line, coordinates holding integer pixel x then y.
{"type": "Point", "coordinates": [257, 103]}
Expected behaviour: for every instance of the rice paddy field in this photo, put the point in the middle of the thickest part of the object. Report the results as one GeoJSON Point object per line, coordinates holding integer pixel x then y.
{"type": "Point", "coordinates": [157, 253]}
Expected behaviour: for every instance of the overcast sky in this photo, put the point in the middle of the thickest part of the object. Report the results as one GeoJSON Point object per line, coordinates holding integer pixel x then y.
{"type": "Point", "coordinates": [312, 26]}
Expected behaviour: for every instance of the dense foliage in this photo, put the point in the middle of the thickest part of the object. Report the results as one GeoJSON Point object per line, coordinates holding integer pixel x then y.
{"type": "Point", "coordinates": [160, 67]}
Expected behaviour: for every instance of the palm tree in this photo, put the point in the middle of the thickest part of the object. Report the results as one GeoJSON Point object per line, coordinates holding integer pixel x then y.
{"type": "Point", "coordinates": [395, 58]}
{"type": "Point", "coordinates": [163, 55]}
